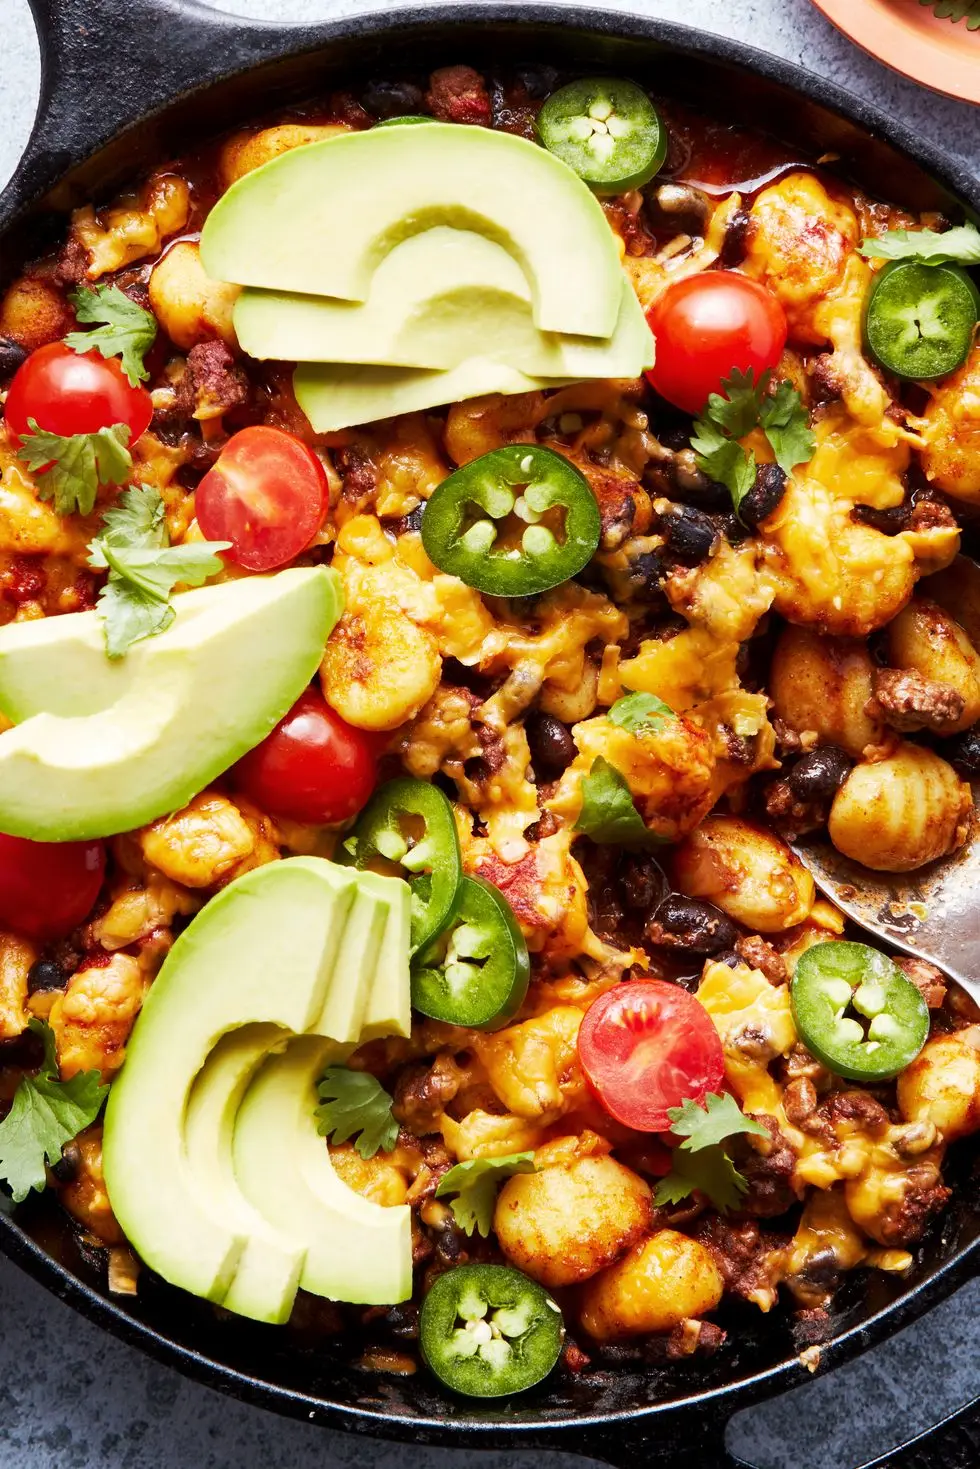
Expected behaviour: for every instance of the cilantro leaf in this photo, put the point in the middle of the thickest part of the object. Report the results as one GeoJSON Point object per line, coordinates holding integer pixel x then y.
{"type": "Point", "coordinates": [475, 1185]}
{"type": "Point", "coordinates": [124, 329]}
{"type": "Point", "coordinates": [747, 405]}
{"type": "Point", "coordinates": [711, 1171]}
{"type": "Point", "coordinates": [784, 423]}
{"type": "Point", "coordinates": [961, 244]}
{"type": "Point", "coordinates": [45, 1115]}
{"type": "Point", "coordinates": [608, 814]}
{"type": "Point", "coordinates": [641, 713]}
{"type": "Point", "coordinates": [144, 569]}
{"type": "Point", "coordinates": [955, 10]}
{"type": "Point", "coordinates": [723, 459]}
{"type": "Point", "coordinates": [355, 1102]}
{"type": "Point", "coordinates": [738, 411]}
{"type": "Point", "coordinates": [703, 1127]}
{"type": "Point", "coordinates": [69, 470]}
{"type": "Point", "coordinates": [137, 519]}
{"type": "Point", "coordinates": [129, 614]}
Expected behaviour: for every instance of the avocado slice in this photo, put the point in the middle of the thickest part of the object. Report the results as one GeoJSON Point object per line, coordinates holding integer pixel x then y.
{"type": "Point", "coordinates": [210, 1022]}
{"type": "Point", "coordinates": [437, 299]}
{"type": "Point", "coordinates": [320, 219]}
{"type": "Point", "coordinates": [356, 1250]}
{"type": "Point", "coordinates": [262, 951]}
{"type": "Point", "coordinates": [107, 747]}
{"type": "Point", "coordinates": [269, 1267]}
{"type": "Point", "coordinates": [334, 396]}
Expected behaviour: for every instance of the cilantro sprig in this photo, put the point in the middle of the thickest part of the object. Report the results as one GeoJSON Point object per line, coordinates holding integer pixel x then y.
{"type": "Point", "coordinates": [960, 245]}
{"type": "Point", "coordinates": [956, 10]}
{"type": "Point", "coordinates": [700, 1162]}
{"type": "Point", "coordinates": [475, 1185]}
{"type": "Point", "coordinates": [122, 329]}
{"type": "Point", "coordinates": [608, 814]}
{"type": "Point", "coordinates": [69, 469]}
{"type": "Point", "coordinates": [354, 1104]}
{"type": "Point", "coordinates": [133, 546]}
{"type": "Point", "coordinates": [641, 713]}
{"type": "Point", "coordinates": [45, 1115]}
{"type": "Point", "coordinates": [743, 405]}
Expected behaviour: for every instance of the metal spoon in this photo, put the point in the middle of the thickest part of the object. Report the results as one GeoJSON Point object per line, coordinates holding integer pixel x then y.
{"type": "Point", "coordinates": [933, 914]}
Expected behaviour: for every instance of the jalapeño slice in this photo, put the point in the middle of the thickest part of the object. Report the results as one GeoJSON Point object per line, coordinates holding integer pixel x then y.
{"type": "Point", "coordinates": [411, 823]}
{"type": "Point", "coordinates": [920, 320]}
{"type": "Point", "coordinates": [555, 529]}
{"type": "Point", "coordinates": [856, 1011]}
{"type": "Point", "coordinates": [476, 973]}
{"type": "Point", "coordinates": [607, 130]}
{"type": "Point", "coordinates": [488, 1331]}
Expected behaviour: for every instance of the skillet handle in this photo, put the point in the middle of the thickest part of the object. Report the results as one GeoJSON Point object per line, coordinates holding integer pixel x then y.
{"type": "Point", "coordinates": [954, 1444]}
{"type": "Point", "coordinates": [107, 63]}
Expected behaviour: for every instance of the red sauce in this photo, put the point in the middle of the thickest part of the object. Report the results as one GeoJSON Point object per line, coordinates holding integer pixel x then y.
{"type": "Point", "coordinates": [718, 158]}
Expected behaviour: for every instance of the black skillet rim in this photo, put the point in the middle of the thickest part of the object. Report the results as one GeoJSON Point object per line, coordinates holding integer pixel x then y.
{"type": "Point", "coordinates": [942, 1280]}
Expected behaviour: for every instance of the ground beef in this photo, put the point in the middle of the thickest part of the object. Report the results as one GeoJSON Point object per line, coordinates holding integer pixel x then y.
{"type": "Point", "coordinates": [928, 980]}
{"type": "Point", "coordinates": [217, 384]}
{"type": "Point", "coordinates": [459, 94]}
{"type": "Point", "coordinates": [423, 1092]}
{"type": "Point", "coordinates": [909, 701]}
{"type": "Point", "coordinates": [793, 817]}
{"type": "Point", "coordinates": [691, 1336]}
{"type": "Point", "coordinates": [854, 1106]}
{"type": "Point", "coordinates": [743, 1253]}
{"type": "Point", "coordinates": [769, 1174]}
{"type": "Point", "coordinates": [903, 1222]}
{"type": "Point", "coordinates": [759, 953]}
{"type": "Point", "coordinates": [358, 473]}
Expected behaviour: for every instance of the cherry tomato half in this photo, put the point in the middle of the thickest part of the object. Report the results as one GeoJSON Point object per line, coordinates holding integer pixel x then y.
{"type": "Point", "coordinates": [267, 495]}
{"type": "Point", "coordinates": [645, 1046]}
{"type": "Point", "coordinates": [70, 392]}
{"type": "Point", "coordinates": [707, 325]}
{"type": "Point", "coordinates": [48, 888]}
{"type": "Point", "coordinates": [313, 767]}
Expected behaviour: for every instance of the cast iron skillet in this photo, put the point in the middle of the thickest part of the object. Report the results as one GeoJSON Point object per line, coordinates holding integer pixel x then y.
{"type": "Point", "coordinates": [127, 83]}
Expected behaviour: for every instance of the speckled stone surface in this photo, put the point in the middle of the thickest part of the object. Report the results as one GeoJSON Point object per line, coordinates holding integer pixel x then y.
{"type": "Point", "coordinates": [72, 1398]}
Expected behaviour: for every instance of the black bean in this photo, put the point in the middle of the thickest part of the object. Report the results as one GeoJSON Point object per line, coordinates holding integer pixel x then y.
{"type": "Point", "coordinates": [410, 523]}
{"type": "Point", "coordinates": [729, 958]}
{"type": "Point", "coordinates": [642, 882]}
{"type": "Point", "coordinates": [12, 354]}
{"type": "Point", "coordinates": [392, 99]}
{"type": "Point", "coordinates": [889, 522]}
{"type": "Point", "coordinates": [68, 1166]}
{"type": "Point", "coordinates": [691, 535]}
{"type": "Point", "coordinates": [736, 240]}
{"type": "Point", "coordinates": [46, 974]}
{"type": "Point", "coordinates": [552, 747]}
{"type": "Point", "coordinates": [764, 496]}
{"type": "Point", "coordinates": [819, 776]}
{"type": "Point", "coordinates": [677, 436]}
{"type": "Point", "coordinates": [964, 750]}
{"type": "Point", "coordinates": [693, 924]}
{"type": "Point", "coordinates": [537, 81]}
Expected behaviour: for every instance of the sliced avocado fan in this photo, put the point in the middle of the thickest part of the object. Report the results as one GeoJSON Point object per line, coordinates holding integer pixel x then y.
{"type": "Point", "coordinates": [283, 950]}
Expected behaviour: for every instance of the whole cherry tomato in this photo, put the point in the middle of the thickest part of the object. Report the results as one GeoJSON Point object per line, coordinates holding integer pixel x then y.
{"type": "Point", "coordinates": [312, 768]}
{"type": "Point", "coordinates": [706, 326]}
{"type": "Point", "coordinates": [646, 1045]}
{"type": "Point", "coordinates": [48, 888]}
{"type": "Point", "coordinates": [267, 495]}
{"type": "Point", "coordinates": [70, 392]}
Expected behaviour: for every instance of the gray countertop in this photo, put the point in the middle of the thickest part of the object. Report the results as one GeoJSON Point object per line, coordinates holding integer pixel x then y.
{"type": "Point", "coordinates": [73, 1398]}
